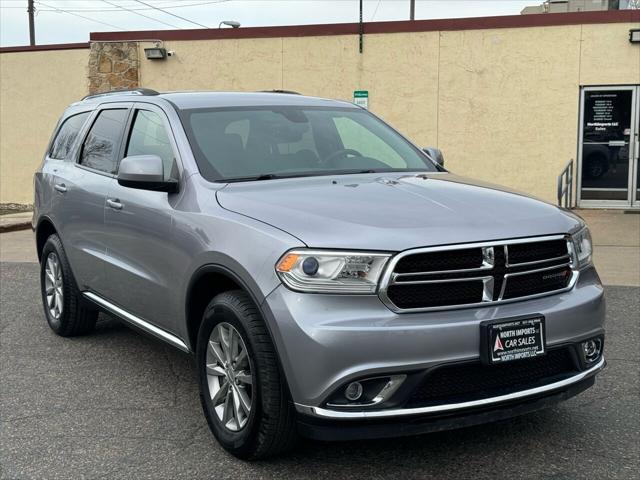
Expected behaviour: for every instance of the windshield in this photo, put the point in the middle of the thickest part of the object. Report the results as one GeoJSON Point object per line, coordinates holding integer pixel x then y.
{"type": "Point", "coordinates": [284, 141]}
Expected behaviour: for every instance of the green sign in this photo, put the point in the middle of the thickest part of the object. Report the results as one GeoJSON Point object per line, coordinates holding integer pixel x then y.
{"type": "Point", "coordinates": [361, 98]}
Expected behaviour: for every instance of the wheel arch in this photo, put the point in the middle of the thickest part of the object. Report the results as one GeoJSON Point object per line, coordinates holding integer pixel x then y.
{"type": "Point", "coordinates": [200, 292]}
{"type": "Point", "coordinates": [44, 229]}
{"type": "Point", "coordinates": [208, 281]}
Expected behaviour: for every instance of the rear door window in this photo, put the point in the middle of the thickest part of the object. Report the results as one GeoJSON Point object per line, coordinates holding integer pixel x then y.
{"type": "Point", "coordinates": [66, 136]}
{"type": "Point", "coordinates": [101, 148]}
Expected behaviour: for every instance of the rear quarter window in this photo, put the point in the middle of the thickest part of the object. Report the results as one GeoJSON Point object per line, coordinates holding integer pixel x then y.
{"type": "Point", "coordinates": [67, 134]}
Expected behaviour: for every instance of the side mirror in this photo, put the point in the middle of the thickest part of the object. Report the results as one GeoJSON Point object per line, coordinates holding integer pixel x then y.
{"type": "Point", "coordinates": [435, 155]}
{"type": "Point", "coordinates": [145, 172]}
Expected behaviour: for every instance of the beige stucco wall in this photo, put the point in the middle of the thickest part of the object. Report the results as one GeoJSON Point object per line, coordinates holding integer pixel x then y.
{"type": "Point", "coordinates": [502, 104]}
{"type": "Point", "coordinates": [35, 87]}
{"type": "Point", "coordinates": [509, 104]}
{"type": "Point", "coordinates": [607, 56]}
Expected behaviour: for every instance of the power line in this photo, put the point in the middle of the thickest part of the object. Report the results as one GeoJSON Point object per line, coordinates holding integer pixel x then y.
{"type": "Point", "coordinates": [141, 14]}
{"type": "Point", "coordinates": [376, 10]}
{"type": "Point", "coordinates": [172, 14]}
{"type": "Point", "coordinates": [80, 16]}
{"type": "Point", "coordinates": [139, 9]}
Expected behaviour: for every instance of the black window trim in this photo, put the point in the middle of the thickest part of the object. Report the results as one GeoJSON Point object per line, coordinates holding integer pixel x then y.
{"type": "Point", "coordinates": [107, 106]}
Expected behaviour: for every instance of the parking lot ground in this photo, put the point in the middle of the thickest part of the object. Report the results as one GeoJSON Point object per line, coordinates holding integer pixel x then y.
{"type": "Point", "coordinates": [117, 404]}
{"type": "Point", "coordinates": [616, 239]}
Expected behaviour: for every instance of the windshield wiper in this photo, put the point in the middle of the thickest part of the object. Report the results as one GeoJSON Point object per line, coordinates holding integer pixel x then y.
{"type": "Point", "coordinates": [263, 176]}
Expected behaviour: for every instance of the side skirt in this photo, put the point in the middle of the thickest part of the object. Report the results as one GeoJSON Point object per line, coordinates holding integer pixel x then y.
{"type": "Point", "coordinates": [136, 321]}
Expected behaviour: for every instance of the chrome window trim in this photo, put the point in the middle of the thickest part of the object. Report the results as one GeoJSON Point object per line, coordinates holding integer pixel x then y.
{"type": "Point", "coordinates": [450, 407]}
{"type": "Point", "coordinates": [388, 278]}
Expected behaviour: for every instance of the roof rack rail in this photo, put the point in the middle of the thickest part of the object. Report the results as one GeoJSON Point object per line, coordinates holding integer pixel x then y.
{"type": "Point", "coordinates": [289, 92]}
{"type": "Point", "coordinates": [133, 91]}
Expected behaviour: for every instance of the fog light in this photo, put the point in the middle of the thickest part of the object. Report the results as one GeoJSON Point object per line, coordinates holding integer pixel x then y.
{"type": "Point", "coordinates": [592, 349]}
{"type": "Point", "coordinates": [353, 391]}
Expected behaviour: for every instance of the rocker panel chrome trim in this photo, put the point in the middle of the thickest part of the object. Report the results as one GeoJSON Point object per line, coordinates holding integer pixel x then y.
{"type": "Point", "coordinates": [138, 322]}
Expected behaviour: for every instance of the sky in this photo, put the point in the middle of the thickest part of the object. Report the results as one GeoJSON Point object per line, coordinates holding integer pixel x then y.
{"type": "Point", "coordinates": [67, 21]}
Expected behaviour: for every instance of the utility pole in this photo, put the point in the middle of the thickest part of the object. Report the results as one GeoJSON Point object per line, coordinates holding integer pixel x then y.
{"type": "Point", "coordinates": [361, 29]}
{"type": "Point", "coordinates": [412, 9]}
{"type": "Point", "coordinates": [32, 27]}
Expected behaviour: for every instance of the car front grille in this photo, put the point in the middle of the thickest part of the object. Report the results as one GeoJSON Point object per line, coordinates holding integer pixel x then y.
{"type": "Point", "coordinates": [478, 274]}
{"type": "Point", "coordinates": [473, 381]}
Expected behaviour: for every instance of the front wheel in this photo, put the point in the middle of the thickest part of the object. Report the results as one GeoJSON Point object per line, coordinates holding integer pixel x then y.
{"type": "Point", "coordinates": [242, 391]}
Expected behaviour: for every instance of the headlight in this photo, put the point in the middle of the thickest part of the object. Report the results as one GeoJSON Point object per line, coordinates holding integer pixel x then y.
{"type": "Point", "coordinates": [326, 271]}
{"type": "Point", "coordinates": [582, 247]}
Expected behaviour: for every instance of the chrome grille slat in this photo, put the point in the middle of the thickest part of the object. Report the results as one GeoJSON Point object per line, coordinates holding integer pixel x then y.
{"type": "Point", "coordinates": [538, 262]}
{"type": "Point", "coordinates": [493, 274]}
{"type": "Point", "coordinates": [444, 280]}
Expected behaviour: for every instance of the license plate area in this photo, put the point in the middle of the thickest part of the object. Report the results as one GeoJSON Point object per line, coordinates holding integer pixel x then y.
{"type": "Point", "coordinates": [512, 339]}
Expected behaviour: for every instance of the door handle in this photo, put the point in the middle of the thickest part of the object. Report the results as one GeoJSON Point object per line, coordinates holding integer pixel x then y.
{"type": "Point", "coordinates": [60, 187]}
{"type": "Point", "coordinates": [114, 203]}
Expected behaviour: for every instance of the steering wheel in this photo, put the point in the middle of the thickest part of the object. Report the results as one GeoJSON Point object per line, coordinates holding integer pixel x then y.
{"type": "Point", "coordinates": [341, 153]}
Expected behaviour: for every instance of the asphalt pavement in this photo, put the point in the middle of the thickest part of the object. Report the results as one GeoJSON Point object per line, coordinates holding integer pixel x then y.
{"type": "Point", "coordinates": [117, 404]}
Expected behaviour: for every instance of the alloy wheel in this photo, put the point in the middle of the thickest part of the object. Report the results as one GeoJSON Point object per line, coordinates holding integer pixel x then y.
{"type": "Point", "coordinates": [53, 285]}
{"type": "Point", "coordinates": [229, 376]}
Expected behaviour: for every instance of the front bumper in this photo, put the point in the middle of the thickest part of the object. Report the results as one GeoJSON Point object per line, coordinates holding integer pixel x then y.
{"type": "Point", "coordinates": [356, 429]}
{"type": "Point", "coordinates": [326, 341]}
{"type": "Point", "coordinates": [521, 395]}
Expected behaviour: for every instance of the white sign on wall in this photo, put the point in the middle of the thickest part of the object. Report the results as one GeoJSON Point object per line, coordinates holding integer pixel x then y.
{"type": "Point", "coordinates": [361, 98]}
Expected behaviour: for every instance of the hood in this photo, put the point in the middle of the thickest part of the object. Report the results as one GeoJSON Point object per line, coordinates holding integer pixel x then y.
{"type": "Point", "coordinates": [393, 212]}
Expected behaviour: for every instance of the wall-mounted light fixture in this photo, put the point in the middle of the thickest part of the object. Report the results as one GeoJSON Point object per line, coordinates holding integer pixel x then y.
{"type": "Point", "coordinates": [634, 35]}
{"type": "Point", "coordinates": [155, 53]}
{"type": "Point", "coordinates": [229, 23]}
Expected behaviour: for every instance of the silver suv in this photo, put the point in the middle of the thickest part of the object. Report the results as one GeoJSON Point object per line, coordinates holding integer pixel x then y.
{"type": "Point", "coordinates": [330, 278]}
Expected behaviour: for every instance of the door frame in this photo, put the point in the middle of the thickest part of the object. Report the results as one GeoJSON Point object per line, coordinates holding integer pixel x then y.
{"type": "Point", "coordinates": [631, 201]}
{"type": "Point", "coordinates": [634, 146]}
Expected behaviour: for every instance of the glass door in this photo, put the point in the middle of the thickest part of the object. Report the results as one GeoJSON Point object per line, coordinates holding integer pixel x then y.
{"type": "Point", "coordinates": [608, 173]}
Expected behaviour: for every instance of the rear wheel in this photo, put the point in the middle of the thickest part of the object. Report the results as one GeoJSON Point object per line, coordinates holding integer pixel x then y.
{"type": "Point", "coordinates": [242, 391]}
{"type": "Point", "coordinates": [63, 306]}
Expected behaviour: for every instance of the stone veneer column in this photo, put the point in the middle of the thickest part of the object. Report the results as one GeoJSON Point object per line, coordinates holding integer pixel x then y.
{"type": "Point", "coordinates": [113, 66]}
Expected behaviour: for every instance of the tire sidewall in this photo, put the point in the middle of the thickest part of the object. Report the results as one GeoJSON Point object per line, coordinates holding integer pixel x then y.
{"type": "Point", "coordinates": [241, 441]}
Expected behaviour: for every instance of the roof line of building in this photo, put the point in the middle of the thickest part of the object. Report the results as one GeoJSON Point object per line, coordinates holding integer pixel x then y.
{"type": "Point", "coordinates": [405, 26]}
{"type": "Point", "coordinates": [38, 48]}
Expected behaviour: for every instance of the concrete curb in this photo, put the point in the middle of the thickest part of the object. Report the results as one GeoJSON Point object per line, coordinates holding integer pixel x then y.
{"type": "Point", "coordinates": [12, 227]}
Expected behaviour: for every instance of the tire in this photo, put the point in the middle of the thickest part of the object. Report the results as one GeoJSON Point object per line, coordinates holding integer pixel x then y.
{"type": "Point", "coordinates": [69, 316]}
{"type": "Point", "coordinates": [269, 427]}
{"type": "Point", "coordinates": [595, 166]}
